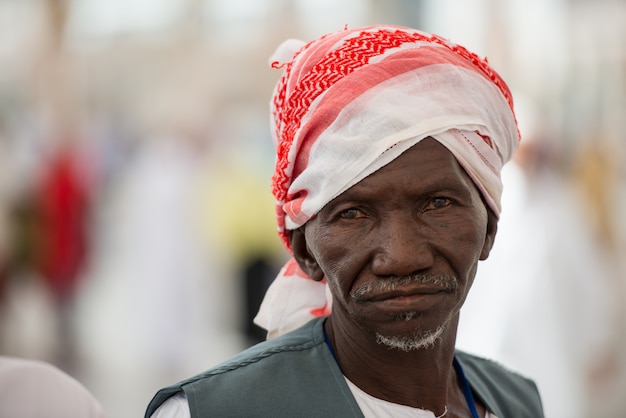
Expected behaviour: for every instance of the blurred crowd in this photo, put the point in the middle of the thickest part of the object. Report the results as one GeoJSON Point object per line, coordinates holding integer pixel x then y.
{"type": "Point", "coordinates": [136, 221]}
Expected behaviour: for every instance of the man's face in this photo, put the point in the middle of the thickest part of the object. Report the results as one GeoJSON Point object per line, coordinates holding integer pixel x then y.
{"type": "Point", "coordinates": [400, 248]}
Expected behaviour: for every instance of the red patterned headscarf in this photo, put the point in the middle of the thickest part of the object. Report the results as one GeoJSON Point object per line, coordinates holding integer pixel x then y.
{"type": "Point", "coordinates": [351, 102]}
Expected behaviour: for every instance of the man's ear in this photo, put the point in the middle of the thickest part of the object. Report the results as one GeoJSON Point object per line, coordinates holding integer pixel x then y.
{"type": "Point", "coordinates": [303, 256]}
{"type": "Point", "coordinates": [490, 236]}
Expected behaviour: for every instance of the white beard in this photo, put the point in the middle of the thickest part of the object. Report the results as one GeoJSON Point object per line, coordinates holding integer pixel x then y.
{"type": "Point", "coordinates": [417, 342]}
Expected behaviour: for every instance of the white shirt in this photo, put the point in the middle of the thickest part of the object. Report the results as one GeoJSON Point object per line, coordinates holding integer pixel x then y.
{"type": "Point", "coordinates": [377, 408]}
{"type": "Point", "coordinates": [174, 407]}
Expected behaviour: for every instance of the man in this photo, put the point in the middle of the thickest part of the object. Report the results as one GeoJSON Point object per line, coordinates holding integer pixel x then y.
{"type": "Point", "coordinates": [389, 146]}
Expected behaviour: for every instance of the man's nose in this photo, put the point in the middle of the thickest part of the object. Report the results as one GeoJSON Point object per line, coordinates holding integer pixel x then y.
{"type": "Point", "coordinates": [402, 246]}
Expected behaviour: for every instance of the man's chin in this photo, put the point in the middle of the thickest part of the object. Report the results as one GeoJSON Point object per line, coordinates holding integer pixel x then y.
{"type": "Point", "coordinates": [419, 341]}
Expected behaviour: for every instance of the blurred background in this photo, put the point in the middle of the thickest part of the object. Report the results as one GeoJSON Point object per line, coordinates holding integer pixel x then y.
{"type": "Point", "coordinates": [136, 219]}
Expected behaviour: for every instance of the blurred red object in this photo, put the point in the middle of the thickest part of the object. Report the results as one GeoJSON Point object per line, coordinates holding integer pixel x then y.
{"type": "Point", "coordinates": [62, 207]}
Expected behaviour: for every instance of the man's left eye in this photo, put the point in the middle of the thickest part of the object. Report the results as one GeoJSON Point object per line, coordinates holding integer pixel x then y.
{"type": "Point", "coordinates": [439, 203]}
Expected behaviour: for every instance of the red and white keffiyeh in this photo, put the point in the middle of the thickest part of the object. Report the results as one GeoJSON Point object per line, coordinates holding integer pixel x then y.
{"type": "Point", "coordinates": [351, 102]}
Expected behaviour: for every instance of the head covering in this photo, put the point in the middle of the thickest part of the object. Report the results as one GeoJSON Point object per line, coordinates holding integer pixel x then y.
{"type": "Point", "coordinates": [33, 388]}
{"type": "Point", "coordinates": [352, 101]}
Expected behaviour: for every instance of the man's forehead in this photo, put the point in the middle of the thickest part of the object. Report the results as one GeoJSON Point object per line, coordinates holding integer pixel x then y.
{"type": "Point", "coordinates": [428, 154]}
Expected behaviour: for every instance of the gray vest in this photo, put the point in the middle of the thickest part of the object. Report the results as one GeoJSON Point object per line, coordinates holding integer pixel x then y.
{"type": "Point", "coordinates": [295, 375]}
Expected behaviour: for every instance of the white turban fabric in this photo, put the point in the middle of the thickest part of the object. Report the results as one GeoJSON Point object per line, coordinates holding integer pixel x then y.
{"type": "Point", "coordinates": [352, 101]}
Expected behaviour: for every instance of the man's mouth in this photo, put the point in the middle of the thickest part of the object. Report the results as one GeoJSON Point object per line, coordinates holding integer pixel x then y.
{"type": "Point", "coordinates": [405, 287]}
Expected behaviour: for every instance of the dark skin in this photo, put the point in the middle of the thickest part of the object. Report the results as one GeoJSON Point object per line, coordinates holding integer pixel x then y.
{"type": "Point", "coordinates": [420, 214]}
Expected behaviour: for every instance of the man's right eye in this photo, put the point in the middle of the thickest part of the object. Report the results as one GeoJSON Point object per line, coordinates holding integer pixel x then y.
{"type": "Point", "coordinates": [351, 213]}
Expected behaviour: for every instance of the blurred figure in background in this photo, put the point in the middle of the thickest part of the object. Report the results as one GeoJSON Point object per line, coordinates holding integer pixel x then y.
{"type": "Point", "coordinates": [62, 219]}
{"type": "Point", "coordinates": [547, 310]}
{"type": "Point", "coordinates": [34, 389]}
{"type": "Point", "coordinates": [62, 210]}
{"type": "Point", "coordinates": [44, 222]}
{"type": "Point", "coordinates": [46, 194]}
{"type": "Point", "coordinates": [154, 286]}
{"type": "Point", "coordinates": [246, 237]}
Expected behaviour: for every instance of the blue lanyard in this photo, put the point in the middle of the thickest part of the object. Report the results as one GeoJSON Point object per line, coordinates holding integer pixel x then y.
{"type": "Point", "coordinates": [467, 391]}
{"type": "Point", "coordinates": [330, 347]}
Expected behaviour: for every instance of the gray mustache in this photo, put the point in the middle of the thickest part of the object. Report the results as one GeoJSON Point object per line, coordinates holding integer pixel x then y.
{"type": "Point", "coordinates": [444, 281]}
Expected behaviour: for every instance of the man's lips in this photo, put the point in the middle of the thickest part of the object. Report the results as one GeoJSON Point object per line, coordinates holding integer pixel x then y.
{"type": "Point", "coordinates": [409, 292]}
{"type": "Point", "coordinates": [398, 301]}
{"type": "Point", "coordinates": [405, 293]}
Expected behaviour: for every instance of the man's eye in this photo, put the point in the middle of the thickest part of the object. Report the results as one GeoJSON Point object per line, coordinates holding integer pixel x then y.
{"type": "Point", "coordinates": [351, 213]}
{"type": "Point", "coordinates": [438, 203]}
